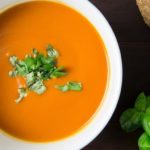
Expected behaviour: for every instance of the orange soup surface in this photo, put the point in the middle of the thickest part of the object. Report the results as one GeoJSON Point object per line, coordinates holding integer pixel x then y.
{"type": "Point", "coordinates": [53, 115]}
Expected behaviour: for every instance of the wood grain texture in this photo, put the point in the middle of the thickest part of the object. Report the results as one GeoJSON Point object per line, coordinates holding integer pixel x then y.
{"type": "Point", "coordinates": [134, 40]}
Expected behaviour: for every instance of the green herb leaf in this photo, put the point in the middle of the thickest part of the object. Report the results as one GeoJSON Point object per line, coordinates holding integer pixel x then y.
{"type": "Point", "coordinates": [51, 52]}
{"type": "Point", "coordinates": [13, 60]}
{"type": "Point", "coordinates": [30, 79]}
{"type": "Point", "coordinates": [148, 111]}
{"type": "Point", "coordinates": [144, 142]}
{"type": "Point", "coordinates": [74, 86]}
{"type": "Point", "coordinates": [130, 120]}
{"type": "Point", "coordinates": [140, 104]}
{"type": "Point", "coordinates": [58, 72]}
{"type": "Point", "coordinates": [46, 60]}
{"type": "Point", "coordinates": [22, 94]}
{"type": "Point", "coordinates": [147, 101]}
{"type": "Point", "coordinates": [30, 63]}
{"type": "Point", "coordinates": [38, 87]}
{"type": "Point", "coordinates": [63, 88]}
{"type": "Point", "coordinates": [21, 71]}
{"type": "Point", "coordinates": [146, 122]}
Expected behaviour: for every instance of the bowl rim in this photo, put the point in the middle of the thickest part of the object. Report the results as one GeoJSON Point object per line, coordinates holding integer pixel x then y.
{"type": "Point", "coordinates": [101, 118]}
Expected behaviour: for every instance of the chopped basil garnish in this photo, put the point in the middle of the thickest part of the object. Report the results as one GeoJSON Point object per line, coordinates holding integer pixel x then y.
{"type": "Point", "coordinates": [36, 68]}
{"type": "Point", "coordinates": [69, 86]}
{"type": "Point", "coordinates": [74, 86]}
{"type": "Point", "coordinates": [58, 72]}
{"type": "Point", "coordinates": [13, 60]}
{"type": "Point", "coordinates": [30, 79]}
{"type": "Point", "coordinates": [51, 52]}
{"type": "Point", "coordinates": [38, 87]}
{"type": "Point", "coordinates": [63, 88]}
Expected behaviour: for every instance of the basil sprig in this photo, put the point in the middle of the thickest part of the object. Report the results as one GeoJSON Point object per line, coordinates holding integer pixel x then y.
{"type": "Point", "coordinates": [138, 117]}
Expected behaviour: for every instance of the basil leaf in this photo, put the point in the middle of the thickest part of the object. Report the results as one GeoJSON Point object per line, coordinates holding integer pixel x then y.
{"type": "Point", "coordinates": [58, 72]}
{"type": "Point", "coordinates": [30, 79]}
{"type": "Point", "coordinates": [13, 60]}
{"type": "Point", "coordinates": [38, 87]}
{"type": "Point", "coordinates": [148, 101]}
{"type": "Point", "coordinates": [30, 62]}
{"type": "Point", "coordinates": [51, 52]}
{"type": "Point", "coordinates": [146, 123]}
{"type": "Point", "coordinates": [48, 61]}
{"type": "Point", "coordinates": [140, 104]}
{"type": "Point", "coordinates": [144, 142]}
{"type": "Point", "coordinates": [148, 111]}
{"type": "Point", "coordinates": [41, 89]}
{"type": "Point", "coordinates": [74, 86]}
{"type": "Point", "coordinates": [130, 120]}
{"type": "Point", "coordinates": [21, 71]}
{"type": "Point", "coordinates": [63, 88]}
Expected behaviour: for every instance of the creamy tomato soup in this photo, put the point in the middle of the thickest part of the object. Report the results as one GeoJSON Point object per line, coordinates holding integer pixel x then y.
{"type": "Point", "coordinates": [53, 115]}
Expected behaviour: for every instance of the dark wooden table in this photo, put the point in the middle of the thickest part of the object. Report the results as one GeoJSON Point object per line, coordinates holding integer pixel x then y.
{"type": "Point", "coordinates": [134, 40]}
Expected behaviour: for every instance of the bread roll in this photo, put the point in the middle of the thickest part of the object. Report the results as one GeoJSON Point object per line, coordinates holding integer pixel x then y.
{"type": "Point", "coordinates": [144, 7]}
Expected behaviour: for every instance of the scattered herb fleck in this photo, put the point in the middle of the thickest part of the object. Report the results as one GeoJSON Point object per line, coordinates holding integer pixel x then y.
{"type": "Point", "coordinates": [70, 86]}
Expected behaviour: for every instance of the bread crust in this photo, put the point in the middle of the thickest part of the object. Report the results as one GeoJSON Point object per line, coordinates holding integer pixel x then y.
{"type": "Point", "coordinates": [144, 7]}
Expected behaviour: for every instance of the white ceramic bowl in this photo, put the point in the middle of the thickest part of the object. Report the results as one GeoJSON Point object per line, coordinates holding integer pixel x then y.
{"type": "Point", "coordinates": [104, 113]}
